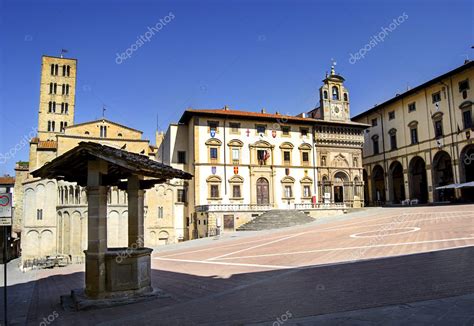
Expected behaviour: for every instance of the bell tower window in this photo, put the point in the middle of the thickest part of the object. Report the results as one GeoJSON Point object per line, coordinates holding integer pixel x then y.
{"type": "Point", "coordinates": [335, 93]}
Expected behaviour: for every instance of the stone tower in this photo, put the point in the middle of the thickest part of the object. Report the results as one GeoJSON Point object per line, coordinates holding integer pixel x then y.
{"type": "Point", "coordinates": [334, 98]}
{"type": "Point", "coordinates": [57, 96]}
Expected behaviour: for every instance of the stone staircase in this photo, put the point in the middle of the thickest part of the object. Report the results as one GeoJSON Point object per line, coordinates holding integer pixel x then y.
{"type": "Point", "coordinates": [276, 219]}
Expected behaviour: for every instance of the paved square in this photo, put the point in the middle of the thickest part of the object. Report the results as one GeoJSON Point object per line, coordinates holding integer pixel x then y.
{"type": "Point", "coordinates": [252, 276]}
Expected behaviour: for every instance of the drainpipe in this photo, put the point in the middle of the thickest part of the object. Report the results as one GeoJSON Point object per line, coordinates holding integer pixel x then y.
{"type": "Point", "coordinates": [454, 155]}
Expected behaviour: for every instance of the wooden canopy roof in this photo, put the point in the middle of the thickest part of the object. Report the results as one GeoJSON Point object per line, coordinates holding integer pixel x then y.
{"type": "Point", "coordinates": [72, 166]}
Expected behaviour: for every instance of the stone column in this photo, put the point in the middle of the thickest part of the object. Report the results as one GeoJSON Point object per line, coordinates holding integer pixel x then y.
{"type": "Point", "coordinates": [97, 229]}
{"type": "Point", "coordinates": [135, 213]}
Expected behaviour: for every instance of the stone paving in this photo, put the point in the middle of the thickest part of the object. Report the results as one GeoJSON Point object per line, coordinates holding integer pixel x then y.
{"type": "Point", "coordinates": [244, 278]}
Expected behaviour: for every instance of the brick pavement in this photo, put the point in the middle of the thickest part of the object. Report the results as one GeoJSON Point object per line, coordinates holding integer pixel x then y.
{"type": "Point", "coordinates": [251, 277]}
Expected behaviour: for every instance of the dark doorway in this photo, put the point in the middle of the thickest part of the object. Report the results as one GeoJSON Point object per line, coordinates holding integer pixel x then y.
{"type": "Point", "coordinates": [366, 188]}
{"type": "Point", "coordinates": [263, 195]}
{"type": "Point", "coordinates": [378, 179]}
{"type": "Point", "coordinates": [228, 222]}
{"type": "Point", "coordinates": [338, 194]}
{"type": "Point", "coordinates": [397, 183]}
{"type": "Point", "coordinates": [442, 176]}
{"type": "Point", "coordinates": [418, 182]}
{"type": "Point", "coordinates": [467, 171]}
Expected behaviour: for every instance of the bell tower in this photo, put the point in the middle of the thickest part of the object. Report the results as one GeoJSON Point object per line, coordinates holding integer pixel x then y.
{"type": "Point", "coordinates": [334, 98]}
{"type": "Point", "coordinates": [57, 96]}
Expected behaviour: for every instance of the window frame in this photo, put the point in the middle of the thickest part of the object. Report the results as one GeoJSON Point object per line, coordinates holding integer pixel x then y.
{"type": "Point", "coordinates": [411, 107]}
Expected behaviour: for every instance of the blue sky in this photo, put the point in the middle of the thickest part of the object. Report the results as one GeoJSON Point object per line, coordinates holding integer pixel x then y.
{"type": "Point", "coordinates": [245, 54]}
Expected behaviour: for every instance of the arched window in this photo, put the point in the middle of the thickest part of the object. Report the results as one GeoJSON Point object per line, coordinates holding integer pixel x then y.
{"type": "Point", "coordinates": [325, 95]}
{"type": "Point", "coordinates": [67, 89]}
{"type": "Point", "coordinates": [49, 125]}
{"type": "Point", "coordinates": [54, 107]}
{"type": "Point", "coordinates": [345, 97]}
{"type": "Point", "coordinates": [68, 70]}
{"type": "Point", "coordinates": [335, 93]}
{"type": "Point", "coordinates": [50, 107]}
{"type": "Point", "coordinates": [64, 70]}
{"type": "Point", "coordinates": [53, 126]}
{"type": "Point", "coordinates": [66, 108]}
{"type": "Point", "coordinates": [50, 88]}
{"type": "Point", "coordinates": [52, 69]}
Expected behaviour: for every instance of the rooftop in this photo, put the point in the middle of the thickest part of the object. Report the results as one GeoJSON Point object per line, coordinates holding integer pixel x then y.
{"type": "Point", "coordinates": [466, 65]}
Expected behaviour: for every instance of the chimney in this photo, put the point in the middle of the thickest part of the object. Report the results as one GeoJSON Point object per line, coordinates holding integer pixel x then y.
{"type": "Point", "coordinates": [263, 110]}
{"type": "Point", "coordinates": [160, 135]}
{"type": "Point", "coordinates": [226, 108]}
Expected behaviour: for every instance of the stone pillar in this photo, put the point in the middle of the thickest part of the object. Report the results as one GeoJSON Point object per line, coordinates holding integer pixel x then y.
{"type": "Point", "coordinates": [135, 213]}
{"type": "Point", "coordinates": [406, 180]}
{"type": "Point", "coordinates": [429, 182]}
{"type": "Point", "coordinates": [97, 230]}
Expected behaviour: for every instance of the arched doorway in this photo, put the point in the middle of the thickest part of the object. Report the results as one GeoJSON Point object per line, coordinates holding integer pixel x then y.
{"type": "Point", "coordinates": [340, 178]}
{"type": "Point", "coordinates": [417, 179]}
{"type": "Point", "coordinates": [397, 186]}
{"type": "Point", "coordinates": [442, 176]}
{"type": "Point", "coordinates": [378, 182]}
{"type": "Point", "coordinates": [366, 187]}
{"type": "Point", "coordinates": [467, 171]}
{"type": "Point", "coordinates": [263, 192]}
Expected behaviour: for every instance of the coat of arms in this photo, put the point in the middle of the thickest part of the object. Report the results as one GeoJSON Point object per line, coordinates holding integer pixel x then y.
{"type": "Point", "coordinates": [213, 170]}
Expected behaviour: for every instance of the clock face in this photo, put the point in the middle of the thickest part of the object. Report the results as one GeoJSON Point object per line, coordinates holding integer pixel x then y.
{"type": "Point", "coordinates": [336, 110]}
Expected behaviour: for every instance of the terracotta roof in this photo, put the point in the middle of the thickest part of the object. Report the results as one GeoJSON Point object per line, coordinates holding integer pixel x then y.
{"type": "Point", "coordinates": [242, 114]}
{"type": "Point", "coordinates": [283, 118]}
{"type": "Point", "coordinates": [7, 180]}
{"type": "Point", "coordinates": [47, 144]}
{"type": "Point", "coordinates": [72, 166]}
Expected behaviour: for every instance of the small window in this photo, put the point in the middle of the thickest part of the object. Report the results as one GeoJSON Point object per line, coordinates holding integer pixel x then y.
{"type": "Point", "coordinates": [304, 131]}
{"type": "Point", "coordinates": [53, 125]}
{"type": "Point", "coordinates": [467, 119]}
{"type": "Point", "coordinates": [325, 95]}
{"type": "Point", "coordinates": [68, 70]}
{"type": "Point", "coordinates": [213, 153]}
{"type": "Point", "coordinates": [414, 136]}
{"type": "Point", "coordinates": [260, 129]}
{"type": "Point", "coordinates": [86, 133]}
{"type": "Point", "coordinates": [375, 145]}
{"type": "Point", "coordinates": [235, 154]}
{"type": "Point", "coordinates": [463, 85]}
{"type": "Point", "coordinates": [285, 130]}
{"type": "Point", "coordinates": [412, 107]}
{"type": "Point", "coordinates": [39, 214]}
{"type": "Point", "coordinates": [160, 212]}
{"type": "Point", "coordinates": [391, 115]}
{"type": "Point", "coordinates": [393, 141]}
{"type": "Point", "coordinates": [345, 97]}
{"type": "Point", "coordinates": [181, 196]}
{"type": "Point", "coordinates": [64, 70]}
{"type": "Point", "coordinates": [288, 192]}
{"type": "Point", "coordinates": [436, 97]}
{"type": "Point", "coordinates": [438, 125]}
{"type": "Point", "coordinates": [103, 131]}
{"type": "Point", "coordinates": [119, 134]}
{"type": "Point", "coordinates": [287, 156]}
{"type": "Point", "coordinates": [181, 157]}
{"type": "Point", "coordinates": [214, 191]}
{"type": "Point", "coordinates": [374, 122]}
{"type": "Point", "coordinates": [306, 191]}
{"type": "Point", "coordinates": [234, 127]}
{"type": "Point", "coordinates": [305, 156]}
{"type": "Point", "coordinates": [213, 125]}
{"type": "Point", "coordinates": [236, 191]}
{"type": "Point", "coordinates": [262, 156]}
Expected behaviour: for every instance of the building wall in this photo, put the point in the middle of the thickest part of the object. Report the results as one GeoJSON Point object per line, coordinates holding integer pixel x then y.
{"type": "Point", "coordinates": [454, 141]}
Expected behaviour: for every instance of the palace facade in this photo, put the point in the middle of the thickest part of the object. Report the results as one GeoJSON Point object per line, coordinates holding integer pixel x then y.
{"type": "Point", "coordinates": [245, 163]}
{"type": "Point", "coordinates": [421, 140]}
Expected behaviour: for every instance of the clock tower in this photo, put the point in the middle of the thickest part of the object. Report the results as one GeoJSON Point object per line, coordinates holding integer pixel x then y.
{"type": "Point", "coordinates": [334, 98]}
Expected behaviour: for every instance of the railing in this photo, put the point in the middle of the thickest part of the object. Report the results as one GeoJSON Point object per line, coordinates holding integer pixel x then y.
{"type": "Point", "coordinates": [232, 207]}
{"type": "Point", "coordinates": [321, 206]}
